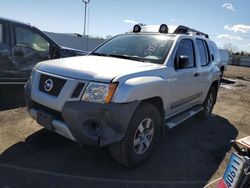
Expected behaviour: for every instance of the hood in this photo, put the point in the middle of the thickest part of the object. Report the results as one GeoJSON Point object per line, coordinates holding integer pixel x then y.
{"type": "Point", "coordinates": [94, 68]}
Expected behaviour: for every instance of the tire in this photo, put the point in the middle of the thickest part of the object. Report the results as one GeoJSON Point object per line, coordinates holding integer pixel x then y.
{"type": "Point", "coordinates": [208, 104]}
{"type": "Point", "coordinates": [140, 139]}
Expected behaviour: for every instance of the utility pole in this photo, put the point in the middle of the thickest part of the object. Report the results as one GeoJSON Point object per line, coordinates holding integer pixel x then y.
{"type": "Point", "coordinates": [85, 15]}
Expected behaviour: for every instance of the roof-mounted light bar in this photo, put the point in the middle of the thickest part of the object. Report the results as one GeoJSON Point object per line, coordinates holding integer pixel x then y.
{"type": "Point", "coordinates": [184, 30]}
{"type": "Point", "coordinates": [163, 28]}
{"type": "Point", "coordinates": [137, 28]}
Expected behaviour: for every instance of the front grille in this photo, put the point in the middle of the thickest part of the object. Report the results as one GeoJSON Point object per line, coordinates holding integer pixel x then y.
{"type": "Point", "coordinates": [51, 85]}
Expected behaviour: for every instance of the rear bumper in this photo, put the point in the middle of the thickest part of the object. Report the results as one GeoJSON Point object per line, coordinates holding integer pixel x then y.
{"type": "Point", "coordinates": [85, 122]}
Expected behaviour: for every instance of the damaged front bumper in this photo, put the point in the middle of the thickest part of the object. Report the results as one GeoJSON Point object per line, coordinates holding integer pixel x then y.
{"type": "Point", "coordinates": [84, 122]}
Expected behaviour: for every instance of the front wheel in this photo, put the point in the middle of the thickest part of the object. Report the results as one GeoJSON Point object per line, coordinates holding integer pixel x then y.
{"type": "Point", "coordinates": [208, 104]}
{"type": "Point", "coordinates": [140, 139]}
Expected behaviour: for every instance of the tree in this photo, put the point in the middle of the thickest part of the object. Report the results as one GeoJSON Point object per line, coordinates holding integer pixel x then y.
{"type": "Point", "coordinates": [230, 48]}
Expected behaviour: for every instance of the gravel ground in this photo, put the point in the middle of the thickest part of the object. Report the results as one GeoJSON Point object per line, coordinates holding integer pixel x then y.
{"type": "Point", "coordinates": [190, 155]}
{"type": "Point", "coordinates": [238, 72]}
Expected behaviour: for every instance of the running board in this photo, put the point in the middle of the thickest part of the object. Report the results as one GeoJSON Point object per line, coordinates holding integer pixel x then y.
{"type": "Point", "coordinates": [177, 119]}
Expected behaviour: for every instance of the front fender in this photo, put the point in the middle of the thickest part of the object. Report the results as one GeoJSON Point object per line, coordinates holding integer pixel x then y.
{"type": "Point", "coordinates": [141, 88]}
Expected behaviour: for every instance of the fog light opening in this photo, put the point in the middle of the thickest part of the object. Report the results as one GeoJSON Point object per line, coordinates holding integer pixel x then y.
{"type": "Point", "coordinates": [96, 128]}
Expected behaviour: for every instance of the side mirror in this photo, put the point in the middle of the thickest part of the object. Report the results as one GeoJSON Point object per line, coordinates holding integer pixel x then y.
{"type": "Point", "coordinates": [54, 51]}
{"type": "Point", "coordinates": [182, 61]}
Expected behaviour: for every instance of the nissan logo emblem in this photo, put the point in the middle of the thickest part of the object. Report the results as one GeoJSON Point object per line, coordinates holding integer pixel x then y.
{"type": "Point", "coordinates": [48, 85]}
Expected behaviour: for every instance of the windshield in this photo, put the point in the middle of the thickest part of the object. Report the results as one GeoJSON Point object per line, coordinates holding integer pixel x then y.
{"type": "Point", "coordinates": [148, 48]}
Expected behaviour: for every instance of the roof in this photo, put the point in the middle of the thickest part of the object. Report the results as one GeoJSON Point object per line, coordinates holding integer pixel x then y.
{"type": "Point", "coordinates": [14, 21]}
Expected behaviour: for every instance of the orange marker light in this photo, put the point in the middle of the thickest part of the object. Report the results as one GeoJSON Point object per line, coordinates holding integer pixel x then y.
{"type": "Point", "coordinates": [112, 88]}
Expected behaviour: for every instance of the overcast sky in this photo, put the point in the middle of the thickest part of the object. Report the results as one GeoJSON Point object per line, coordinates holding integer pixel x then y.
{"type": "Point", "coordinates": [226, 21]}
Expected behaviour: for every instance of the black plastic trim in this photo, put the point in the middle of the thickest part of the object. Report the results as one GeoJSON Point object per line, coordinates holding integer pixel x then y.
{"type": "Point", "coordinates": [113, 120]}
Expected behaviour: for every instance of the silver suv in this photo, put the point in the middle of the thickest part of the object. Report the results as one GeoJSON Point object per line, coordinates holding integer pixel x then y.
{"type": "Point", "coordinates": [127, 90]}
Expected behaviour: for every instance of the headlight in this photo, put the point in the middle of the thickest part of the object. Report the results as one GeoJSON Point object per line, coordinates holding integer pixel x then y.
{"type": "Point", "coordinates": [99, 92]}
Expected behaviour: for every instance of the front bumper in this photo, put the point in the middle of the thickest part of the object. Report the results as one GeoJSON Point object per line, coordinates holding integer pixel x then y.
{"type": "Point", "coordinates": [85, 122]}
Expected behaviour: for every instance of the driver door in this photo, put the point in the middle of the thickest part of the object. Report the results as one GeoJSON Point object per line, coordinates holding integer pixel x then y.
{"type": "Point", "coordinates": [29, 48]}
{"type": "Point", "coordinates": [184, 87]}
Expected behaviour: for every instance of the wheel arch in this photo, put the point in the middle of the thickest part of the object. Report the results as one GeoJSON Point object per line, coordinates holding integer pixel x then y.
{"type": "Point", "coordinates": [158, 103]}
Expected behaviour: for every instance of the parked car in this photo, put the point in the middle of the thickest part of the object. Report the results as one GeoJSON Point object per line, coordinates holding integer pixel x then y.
{"type": "Point", "coordinates": [128, 90]}
{"type": "Point", "coordinates": [22, 46]}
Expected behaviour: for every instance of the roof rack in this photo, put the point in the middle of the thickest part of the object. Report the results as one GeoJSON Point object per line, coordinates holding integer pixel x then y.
{"type": "Point", "coordinates": [184, 30]}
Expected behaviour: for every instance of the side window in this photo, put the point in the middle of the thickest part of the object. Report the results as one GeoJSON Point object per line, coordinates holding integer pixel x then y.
{"type": "Point", "coordinates": [5, 58]}
{"type": "Point", "coordinates": [214, 51]}
{"type": "Point", "coordinates": [1, 33]}
{"type": "Point", "coordinates": [186, 48]}
{"type": "Point", "coordinates": [203, 51]}
{"type": "Point", "coordinates": [30, 48]}
{"type": "Point", "coordinates": [32, 39]}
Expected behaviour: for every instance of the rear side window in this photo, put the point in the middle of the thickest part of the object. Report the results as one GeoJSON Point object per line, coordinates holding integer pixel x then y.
{"type": "Point", "coordinates": [214, 51]}
{"type": "Point", "coordinates": [186, 48]}
{"type": "Point", "coordinates": [203, 52]}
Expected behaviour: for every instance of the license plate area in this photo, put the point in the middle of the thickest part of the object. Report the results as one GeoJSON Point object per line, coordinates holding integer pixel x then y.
{"type": "Point", "coordinates": [45, 119]}
{"type": "Point", "coordinates": [233, 170]}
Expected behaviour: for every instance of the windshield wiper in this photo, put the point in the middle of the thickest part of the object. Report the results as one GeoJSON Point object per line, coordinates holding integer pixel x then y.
{"type": "Point", "coordinates": [118, 56]}
{"type": "Point", "coordinates": [99, 54]}
{"type": "Point", "coordinates": [126, 57]}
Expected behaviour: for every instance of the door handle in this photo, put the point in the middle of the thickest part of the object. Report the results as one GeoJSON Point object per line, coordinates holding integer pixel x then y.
{"type": "Point", "coordinates": [196, 74]}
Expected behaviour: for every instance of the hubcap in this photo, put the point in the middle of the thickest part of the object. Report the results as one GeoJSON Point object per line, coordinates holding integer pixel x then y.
{"type": "Point", "coordinates": [143, 136]}
{"type": "Point", "coordinates": [210, 103]}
